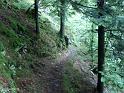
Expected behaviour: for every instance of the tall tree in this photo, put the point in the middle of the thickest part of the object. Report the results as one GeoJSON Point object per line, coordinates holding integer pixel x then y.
{"type": "Point", "coordinates": [101, 52]}
{"type": "Point", "coordinates": [101, 55]}
{"type": "Point", "coordinates": [62, 17]}
{"type": "Point", "coordinates": [36, 16]}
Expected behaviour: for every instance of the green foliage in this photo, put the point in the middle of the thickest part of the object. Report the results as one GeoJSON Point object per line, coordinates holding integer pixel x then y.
{"type": "Point", "coordinates": [15, 41]}
{"type": "Point", "coordinates": [5, 73]}
{"type": "Point", "coordinates": [23, 4]}
{"type": "Point", "coordinates": [72, 79]}
{"type": "Point", "coordinates": [1, 47]}
{"type": "Point", "coordinates": [49, 42]}
{"type": "Point", "coordinates": [112, 75]}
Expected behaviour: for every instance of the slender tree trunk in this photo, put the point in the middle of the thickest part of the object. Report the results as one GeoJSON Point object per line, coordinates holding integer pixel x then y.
{"type": "Point", "coordinates": [101, 55]}
{"type": "Point", "coordinates": [101, 52]}
{"type": "Point", "coordinates": [62, 18]}
{"type": "Point", "coordinates": [36, 16]}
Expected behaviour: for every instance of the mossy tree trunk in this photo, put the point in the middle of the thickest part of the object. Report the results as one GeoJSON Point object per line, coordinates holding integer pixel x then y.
{"type": "Point", "coordinates": [101, 52]}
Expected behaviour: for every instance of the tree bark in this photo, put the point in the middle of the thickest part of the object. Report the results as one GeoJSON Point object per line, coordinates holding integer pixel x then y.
{"type": "Point", "coordinates": [62, 18]}
{"type": "Point", "coordinates": [101, 51]}
{"type": "Point", "coordinates": [101, 55]}
{"type": "Point", "coordinates": [36, 16]}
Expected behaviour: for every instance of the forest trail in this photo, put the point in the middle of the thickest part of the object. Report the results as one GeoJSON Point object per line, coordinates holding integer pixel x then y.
{"type": "Point", "coordinates": [50, 72]}
{"type": "Point", "coordinates": [48, 75]}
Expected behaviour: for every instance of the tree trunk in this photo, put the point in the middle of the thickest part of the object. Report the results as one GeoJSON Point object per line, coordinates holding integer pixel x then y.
{"type": "Point", "coordinates": [101, 52]}
{"type": "Point", "coordinates": [36, 16]}
{"type": "Point", "coordinates": [101, 55]}
{"type": "Point", "coordinates": [62, 18]}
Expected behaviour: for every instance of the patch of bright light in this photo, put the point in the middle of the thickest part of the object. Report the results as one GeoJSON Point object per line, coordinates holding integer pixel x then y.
{"type": "Point", "coordinates": [123, 3]}
{"type": "Point", "coordinates": [29, 1]}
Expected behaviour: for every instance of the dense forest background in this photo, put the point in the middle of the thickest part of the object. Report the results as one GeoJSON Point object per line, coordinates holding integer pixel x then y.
{"type": "Point", "coordinates": [51, 46]}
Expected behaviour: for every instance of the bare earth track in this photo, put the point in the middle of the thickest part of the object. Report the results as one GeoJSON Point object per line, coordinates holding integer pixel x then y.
{"type": "Point", "coordinates": [48, 73]}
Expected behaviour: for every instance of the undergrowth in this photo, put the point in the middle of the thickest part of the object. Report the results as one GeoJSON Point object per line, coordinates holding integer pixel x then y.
{"type": "Point", "coordinates": [7, 84]}
{"type": "Point", "coordinates": [72, 79]}
{"type": "Point", "coordinates": [19, 47]}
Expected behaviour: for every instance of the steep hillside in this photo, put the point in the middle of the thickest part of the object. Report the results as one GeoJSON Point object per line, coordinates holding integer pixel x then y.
{"type": "Point", "coordinates": [38, 65]}
{"type": "Point", "coordinates": [19, 46]}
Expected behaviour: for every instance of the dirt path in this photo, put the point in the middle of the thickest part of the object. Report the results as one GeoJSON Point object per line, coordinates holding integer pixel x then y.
{"type": "Point", "coordinates": [54, 79]}
{"type": "Point", "coordinates": [49, 73]}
